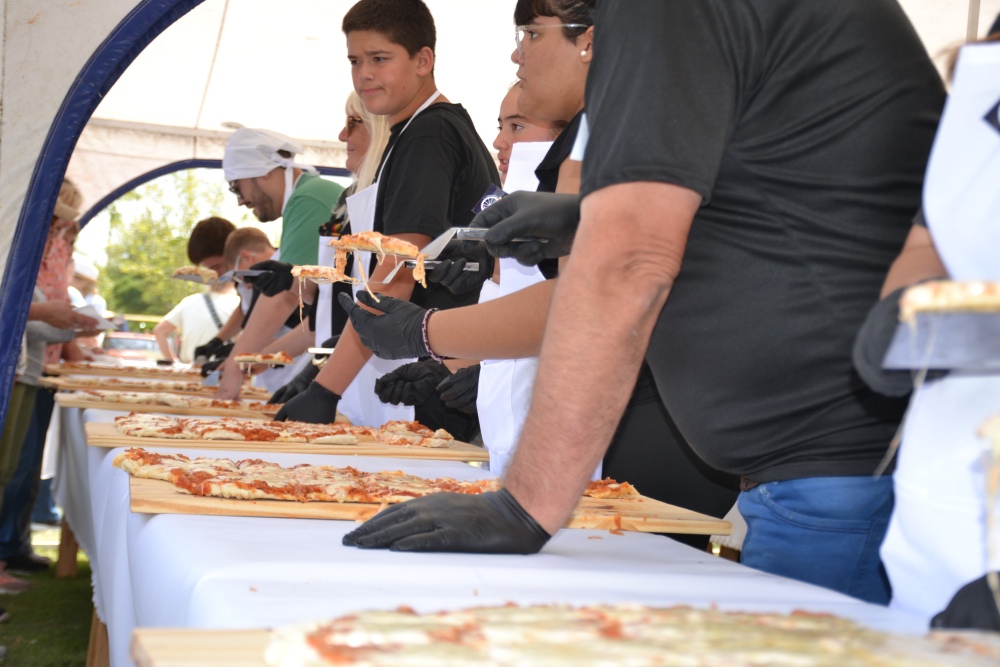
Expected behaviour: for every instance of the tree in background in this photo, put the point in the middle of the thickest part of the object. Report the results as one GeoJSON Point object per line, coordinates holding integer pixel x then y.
{"type": "Point", "coordinates": [144, 251]}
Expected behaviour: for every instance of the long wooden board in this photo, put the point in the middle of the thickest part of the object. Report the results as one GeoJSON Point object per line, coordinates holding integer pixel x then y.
{"type": "Point", "coordinates": [103, 434]}
{"type": "Point", "coordinates": [167, 647]}
{"type": "Point", "coordinates": [72, 384]}
{"type": "Point", "coordinates": [73, 401]}
{"type": "Point", "coordinates": [642, 515]}
{"type": "Point", "coordinates": [147, 372]}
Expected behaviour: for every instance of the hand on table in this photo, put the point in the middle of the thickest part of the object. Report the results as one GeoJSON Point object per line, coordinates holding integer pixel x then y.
{"type": "Point", "coordinates": [972, 608]}
{"type": "Point", "coordinates": [412, 383]}
{"type": "Point", "coordinates": [278, 278]}
{"type": "Point", "coordinates": [492, 522]}
{"type": "Point", "coordinates": [230, 384]}
{"type": "Point", "coordinates": [397, 334]}
{"type": "Point", "coordinates": [316, 405]}
{"type": "Point", "coordinates": [460, 390]}
{"type": "Point", "coordinates": [550, 218]}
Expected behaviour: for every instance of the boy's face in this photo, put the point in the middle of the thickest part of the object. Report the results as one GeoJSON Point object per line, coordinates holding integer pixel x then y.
{"type": "Point", "coordinates": [385, 76]}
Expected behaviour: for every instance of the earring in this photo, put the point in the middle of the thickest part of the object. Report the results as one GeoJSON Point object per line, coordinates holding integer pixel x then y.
{"type": "Point", "coordinates": [583, 54]}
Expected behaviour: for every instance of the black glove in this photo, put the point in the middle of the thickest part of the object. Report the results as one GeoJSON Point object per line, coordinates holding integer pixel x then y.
{"type": "Point", "coordinates": [398, 334]}
{"type": "Point", "coordinates": [208, 349]}
{"type": "Point", "coordinates": [316, 405]}
{"type": "Point", "coordinates": [460, 391]}
{"type": "Point", "coordinates": [209, 366]}
{"type": "Point", "coordinates": [972, 608]}
{"type": "Point", "coordinates": [411, 383]}
{"type": "Point", "coordinates": [493, 523]}
{"type": "Point", "coordinates": [871, 344]}
{"type": "Point", "coordinates": [278, 278]}
{"type": "Point", "coordinates": [296, 386]}
{"type": "Point", "coordinates": [451, 271]}
{"type": "Point", "coordinates": [548, 217]}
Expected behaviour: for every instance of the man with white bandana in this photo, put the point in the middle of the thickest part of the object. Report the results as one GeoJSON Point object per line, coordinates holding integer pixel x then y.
{"type": "Point", "coordinates": [263, 175]}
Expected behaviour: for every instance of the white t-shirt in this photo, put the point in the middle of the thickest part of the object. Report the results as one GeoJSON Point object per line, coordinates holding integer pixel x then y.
{"type": "Point", "coordinates": [194, 322]}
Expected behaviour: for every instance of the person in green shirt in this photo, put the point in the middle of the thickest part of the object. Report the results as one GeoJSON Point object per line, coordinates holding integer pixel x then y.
{"type": "Point", "coordinates": [260, 168]}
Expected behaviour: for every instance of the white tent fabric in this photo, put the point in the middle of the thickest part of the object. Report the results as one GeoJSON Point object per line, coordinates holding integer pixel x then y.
{"type": "Point", "coordinates": [254, 62]}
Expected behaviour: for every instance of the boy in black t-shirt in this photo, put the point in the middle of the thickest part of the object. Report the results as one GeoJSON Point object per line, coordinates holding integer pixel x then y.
{"type": "Point", "coordinates": [433, 170]}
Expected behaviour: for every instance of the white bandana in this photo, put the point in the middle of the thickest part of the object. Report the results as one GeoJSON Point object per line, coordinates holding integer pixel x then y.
{"type": "Point", "coordinates": [251, 153]}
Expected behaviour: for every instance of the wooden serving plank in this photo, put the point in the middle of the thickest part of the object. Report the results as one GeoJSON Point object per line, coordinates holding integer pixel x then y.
{"type": "Point", "coordinates": [642, 515]}
{"type": "Point", "coordinates": [168, 647]}
{"type": "Point", "coordinates": [71, 401]}
{"type": "Point", "coordinates": [103, 434]}
{"type": "Point", "coordinates": [149, 373]}
{"type": "Point", "coordinates": [71, 384]}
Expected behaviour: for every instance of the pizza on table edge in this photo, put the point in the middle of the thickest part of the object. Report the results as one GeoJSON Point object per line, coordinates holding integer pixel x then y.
{"type": "Point", "coordinates": [255, 479]}
{"type": "Point", "coordinates": [946, 296]}
{"type": "Point", "coordinates": [612, 635]}
{"type": "Point", "coordinates": [172, 400]}
{"type": "Point", "coordinates": [402, 433]}
{"type": "Point", "coordinates": [276, 359]}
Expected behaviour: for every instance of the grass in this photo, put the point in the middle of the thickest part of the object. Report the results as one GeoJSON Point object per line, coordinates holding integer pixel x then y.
{"type": "Point", "coordinates": [49, 625]}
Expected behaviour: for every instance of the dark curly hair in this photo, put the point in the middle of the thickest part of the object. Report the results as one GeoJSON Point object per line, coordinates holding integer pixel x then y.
{"type": "Point", "coordinates": [208, 239]}
{"type": "Point", "coordinates": [405, 22]}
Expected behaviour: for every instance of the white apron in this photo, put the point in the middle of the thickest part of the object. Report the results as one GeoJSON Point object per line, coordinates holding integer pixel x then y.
{"type": "Point", "coordinates": [505, 385]}
{"type": "Point", "coordinates": [324, 295]}
{"type": "Point", "coordinates": [360, 402]}
{"type": "Point", "coordinates": [936, 538]}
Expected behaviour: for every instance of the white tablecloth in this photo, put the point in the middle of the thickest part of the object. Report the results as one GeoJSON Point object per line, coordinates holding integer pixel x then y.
{"type": "Point", "coordinates": [235, 572]}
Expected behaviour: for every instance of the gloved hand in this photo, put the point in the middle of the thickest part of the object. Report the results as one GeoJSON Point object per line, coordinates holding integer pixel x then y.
{"type": "Point", "coordinates": [460, 390]}
{"type": "Point", "coordinates": [208, 349]}
{"type": "Point", "coordinates": [451, 271]}
{"type": "Point", "coordinates": [398, 334]}
{"type": "Point", "coordinates": [492, 522]}
{"type": "Point", "coordinates": [278, 278]}
{"type": "Point", "coordinates": [972, 608]}
{"type": "Point", "coordinates": [550, 218]}
{"type": "Point", "coordinates": [296, 386]}
{"type": "Point", "coordinates": [316, 405]}
{"type": "Point", "coordinates": [209, 366]}
{"type": "Point", "coordinates": [411, 383]}
{"type": "Point", "coordinates": [871, 344]}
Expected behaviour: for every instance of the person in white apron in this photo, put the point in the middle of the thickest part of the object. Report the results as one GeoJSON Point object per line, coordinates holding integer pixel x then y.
{"type": "Point", "coordinates": [937, 542]}
{"type": "Point", "coordinates": [434, 169]}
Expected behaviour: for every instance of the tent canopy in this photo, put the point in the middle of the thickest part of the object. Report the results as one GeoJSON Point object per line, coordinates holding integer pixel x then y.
{"type": "Point", "coordinates": [128, 86]}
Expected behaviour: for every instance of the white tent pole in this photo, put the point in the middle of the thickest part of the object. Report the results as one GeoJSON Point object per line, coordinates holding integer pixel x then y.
{"type": "Point", "coordinates": [972, 27]}
{"type": "Point", "coordinates": [211, 68]}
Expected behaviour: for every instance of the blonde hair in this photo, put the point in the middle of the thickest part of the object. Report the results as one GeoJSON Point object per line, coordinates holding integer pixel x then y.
{"type": "Point", "coordinates": [378, 133]}
{"type": "Point", "coordinates": [245, 238]}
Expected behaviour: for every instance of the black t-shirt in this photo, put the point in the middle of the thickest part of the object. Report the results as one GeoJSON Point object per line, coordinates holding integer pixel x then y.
{"type": "Point", "coordinates": [436, 173]}
{"type": "Point", "coordinates": [805, 127]}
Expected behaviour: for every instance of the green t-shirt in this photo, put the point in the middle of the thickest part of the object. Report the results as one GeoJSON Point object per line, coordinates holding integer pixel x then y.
{"type": "Point", "coordinates": [310, 206]}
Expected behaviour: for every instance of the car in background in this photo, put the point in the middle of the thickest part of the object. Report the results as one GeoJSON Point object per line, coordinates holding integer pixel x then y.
{"type": "Point", "coordinates": [128, 345]}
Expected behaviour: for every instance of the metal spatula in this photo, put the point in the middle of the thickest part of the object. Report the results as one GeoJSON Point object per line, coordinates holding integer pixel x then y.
{"type": "Point", "coordinates": [192, 278]}
{"type": "Point", "coordinates": [946, 341]}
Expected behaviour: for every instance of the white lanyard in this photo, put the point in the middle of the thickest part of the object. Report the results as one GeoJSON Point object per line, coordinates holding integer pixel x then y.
{"type": "Point", "coordinates": [429, 101]}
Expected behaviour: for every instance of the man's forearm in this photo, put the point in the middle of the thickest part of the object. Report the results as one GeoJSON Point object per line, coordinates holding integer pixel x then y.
{"type": "Point", "coordinates": [510, 327]}
{"type": "Point", "coordinates": [602, 316]}
{"type": "Point", "coordinates": [293, 343]}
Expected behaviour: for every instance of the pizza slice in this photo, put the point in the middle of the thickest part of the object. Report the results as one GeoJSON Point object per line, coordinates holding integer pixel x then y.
{"type": "Point", "coordinates": [381, 245]}
{"type": "Point", "coordinates": [947, 296]}
{"type": "Point", "coordinates": [206, 275]}
{"type": "Point", "coordinates": [276, 359]}
{"type": "Point", "coordinates": [322, 274]}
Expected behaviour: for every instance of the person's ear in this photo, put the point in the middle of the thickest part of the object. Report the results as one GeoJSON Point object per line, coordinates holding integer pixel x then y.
{"type": "Point", "coordinates": [425, 61]}
{"type": "Point", "coordinates": [586, 44]}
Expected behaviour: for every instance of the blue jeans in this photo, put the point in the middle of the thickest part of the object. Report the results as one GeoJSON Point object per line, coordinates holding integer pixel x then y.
{"type": "Point", "coordinates": [823, 530]}
{"type": "Point", "coordinates": [19, 495]}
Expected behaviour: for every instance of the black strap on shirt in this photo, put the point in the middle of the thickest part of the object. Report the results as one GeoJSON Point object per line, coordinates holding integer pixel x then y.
{"type": "Point", "coordinates": [211, 311]}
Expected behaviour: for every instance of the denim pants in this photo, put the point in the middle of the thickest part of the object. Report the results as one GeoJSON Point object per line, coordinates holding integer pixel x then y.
{"type": "Point", "coordinates": [823, 530]}
{"type": "Point", "coordinates": [19, 495]}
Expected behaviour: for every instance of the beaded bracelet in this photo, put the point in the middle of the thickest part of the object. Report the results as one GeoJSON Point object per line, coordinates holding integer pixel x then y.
{"type": "Point", "coordinates": [427, 342]}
